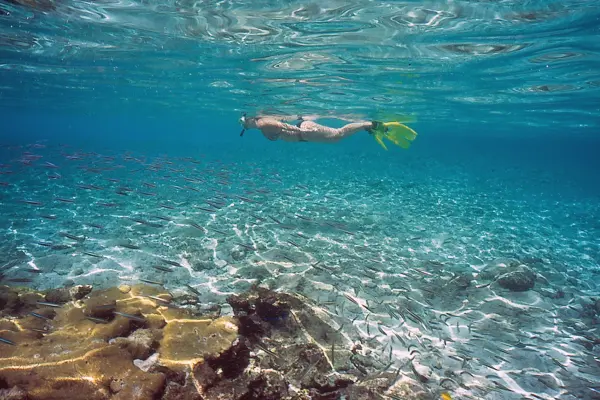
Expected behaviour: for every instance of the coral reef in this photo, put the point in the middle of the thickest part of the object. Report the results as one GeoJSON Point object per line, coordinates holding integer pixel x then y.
{"type": "Point", "coordinates": [510, 274]}
{"type": "Point", "coordinates": [85, 349]}
{"type": "Point", "coordinates": [135, 343]}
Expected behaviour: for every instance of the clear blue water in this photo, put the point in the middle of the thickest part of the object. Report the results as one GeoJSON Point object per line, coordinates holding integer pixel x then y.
{"type": "Point", "coordinates": [505, 97]}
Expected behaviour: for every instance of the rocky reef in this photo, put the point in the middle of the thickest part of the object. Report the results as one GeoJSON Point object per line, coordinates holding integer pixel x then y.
{"type": "Point", "coordinates": [510, 274]}
{"type": "Point", "coordinates": [137, 343]}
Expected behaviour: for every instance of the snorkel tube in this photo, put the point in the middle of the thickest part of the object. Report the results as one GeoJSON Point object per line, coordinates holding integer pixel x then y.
{"type": "Point", "coordinates": [243, 123]}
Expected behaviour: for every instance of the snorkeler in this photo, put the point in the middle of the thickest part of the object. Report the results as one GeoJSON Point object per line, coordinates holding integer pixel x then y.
{"type": "Point", "coordinates": [309, 131]}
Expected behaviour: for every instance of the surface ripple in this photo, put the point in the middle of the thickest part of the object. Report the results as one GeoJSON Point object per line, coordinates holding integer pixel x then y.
{"type": "Point", "coordinates": [430, 59]}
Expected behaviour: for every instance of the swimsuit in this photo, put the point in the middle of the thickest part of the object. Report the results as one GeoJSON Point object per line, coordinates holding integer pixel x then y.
{"type": "Point", "coordinates": [299, 125]}
{"type": "Point", "coordinates": [274, 137]}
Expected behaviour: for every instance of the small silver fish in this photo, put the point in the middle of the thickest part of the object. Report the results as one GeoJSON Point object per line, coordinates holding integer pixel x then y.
{"type": "Point", "coordinates": [151, 282]}
{"type": "Point", "coordinates": [47, 304]}
{"type": "Point", "coordinates": [161, 268]}
{"type": "Point", "coordinates": [159, 299]}
{"type": "Point", "coordinates": [40, 316]}
{"type": "Point", "coordinates": [173, 263]}
{"type": "Point", "coordinates": [130, 316]}
{"type": "Point", "coordinates": [6, 341]}
{"type": "Point", "coordinates": [89, 253]}
{"type": "Point", "coordinates": [97, 320]}
{"type": "Point", "coordinates": [192, 289]}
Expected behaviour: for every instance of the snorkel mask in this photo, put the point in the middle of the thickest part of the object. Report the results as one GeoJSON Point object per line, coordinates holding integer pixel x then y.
{"type": "Point", "coordinates": [242, 121]}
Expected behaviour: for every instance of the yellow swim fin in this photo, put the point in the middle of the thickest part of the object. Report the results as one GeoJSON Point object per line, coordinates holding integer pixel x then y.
{"type": "Point", "coordinates": [397, 133]}
{"type": "Point", "coordinates": [378, 136]}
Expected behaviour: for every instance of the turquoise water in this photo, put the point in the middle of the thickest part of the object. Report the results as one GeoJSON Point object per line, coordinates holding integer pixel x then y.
{"type": "Point", "coordinates": [119, 129]}
{"type": "Point", "coordinates": [530, 64]}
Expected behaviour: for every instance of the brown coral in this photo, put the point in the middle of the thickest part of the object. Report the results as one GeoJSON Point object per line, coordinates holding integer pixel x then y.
{"type": "Point", "coordinates": [134, 344]}
{"type": "Point", "coordinates": [86, 358]}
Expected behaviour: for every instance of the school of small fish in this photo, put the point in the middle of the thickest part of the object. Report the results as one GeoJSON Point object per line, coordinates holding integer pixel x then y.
{"type": "Point", "coordinates": [166, 220]}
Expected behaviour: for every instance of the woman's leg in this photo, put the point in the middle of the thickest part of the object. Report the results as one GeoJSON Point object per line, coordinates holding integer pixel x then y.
{"type": "Point", "coordinates": [314, 132]}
